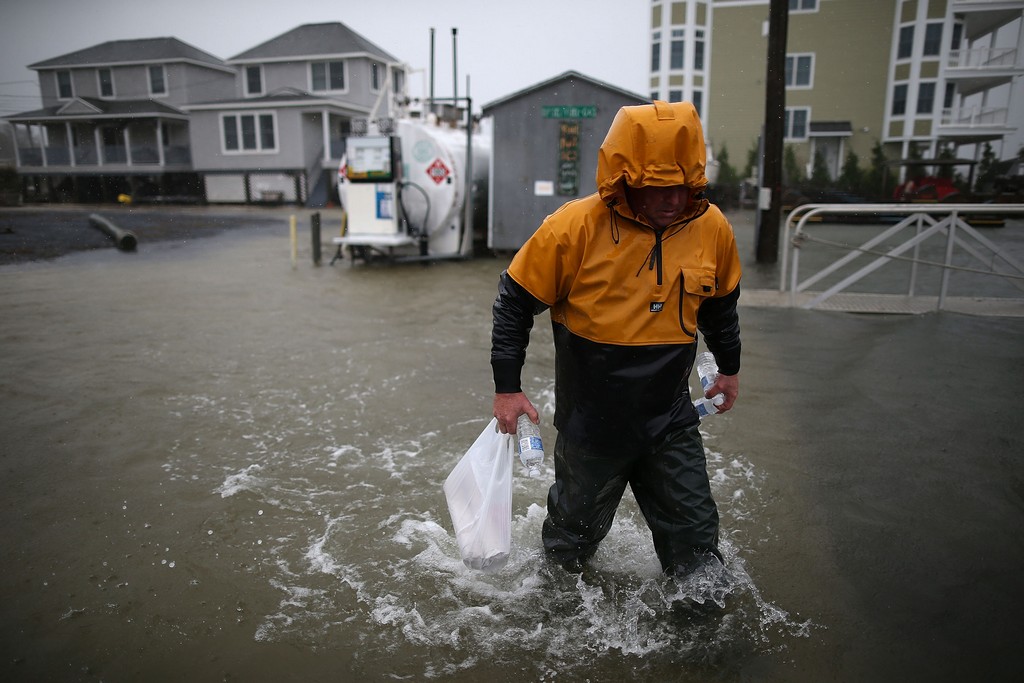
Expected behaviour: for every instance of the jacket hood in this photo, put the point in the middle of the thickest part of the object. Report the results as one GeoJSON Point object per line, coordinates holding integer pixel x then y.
{"type": "Point", "coordinates": [657, 144]}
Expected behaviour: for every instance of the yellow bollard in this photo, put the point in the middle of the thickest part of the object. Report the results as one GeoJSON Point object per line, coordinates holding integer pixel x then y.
{"type": "Point", "coordinates": [295, 241]}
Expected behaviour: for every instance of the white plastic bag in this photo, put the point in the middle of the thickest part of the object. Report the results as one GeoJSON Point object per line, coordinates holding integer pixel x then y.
{"type": "Point", "coordinates": [479, 493]}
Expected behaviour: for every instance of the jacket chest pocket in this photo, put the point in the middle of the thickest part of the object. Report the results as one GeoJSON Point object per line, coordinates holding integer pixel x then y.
{"type": "Point", "coordinates": [695, 285]}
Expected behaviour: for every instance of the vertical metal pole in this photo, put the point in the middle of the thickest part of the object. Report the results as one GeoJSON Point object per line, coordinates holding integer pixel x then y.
{"type": "Point", "coordinates": [950, 240]}
{"type": "Point", "coordinates": [917, 252]}
{"type": "Point", "coordinates": [467, 230]}
{"type": "Point", "coordinates": [774, 131]}
{"type": "Point", "coordinates": [314, 231]}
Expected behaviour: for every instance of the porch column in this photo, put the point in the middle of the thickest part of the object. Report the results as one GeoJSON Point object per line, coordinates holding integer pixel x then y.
{"type": "Point", "coordinates": [100, 160]}
{"type": "Point", "coordinates": [43, 138]}
{"type": "Point", "coordinates": [71, 143]}
{"type": "Point", "coordinates": [127, 145]}
{"type": "Point", "coordinates": [160, 142]}
{"type": "Point", "coordinates": [325, 128]}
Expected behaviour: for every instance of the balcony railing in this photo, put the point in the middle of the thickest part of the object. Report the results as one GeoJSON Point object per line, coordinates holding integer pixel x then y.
{"type": "Point", "coordinates": [975, 117]}
{"type": "Point", "coordinates": [111, 155]}
{"type": "Point", "coordinates": [983, 58]}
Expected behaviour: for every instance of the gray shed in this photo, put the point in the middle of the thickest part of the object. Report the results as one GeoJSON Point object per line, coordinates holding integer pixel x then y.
{"type": "Point", "coordinates": [544, 152]}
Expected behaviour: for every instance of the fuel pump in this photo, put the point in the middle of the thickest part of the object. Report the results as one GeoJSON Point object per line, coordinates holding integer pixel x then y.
{"type": "Point", "coordinates": [374, 173]}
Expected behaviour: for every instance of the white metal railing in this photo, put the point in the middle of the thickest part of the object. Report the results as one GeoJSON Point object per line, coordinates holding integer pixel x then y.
{"type": "Point", "coordinates": [975, 116]}
{"type": "Point", "coordinates": [926, 221]}
{"type": "Point", "coordinates": [982, 58]}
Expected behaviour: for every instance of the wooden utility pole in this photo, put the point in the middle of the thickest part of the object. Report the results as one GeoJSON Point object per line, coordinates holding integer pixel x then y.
{"type": "Point", "coordinates": [770, 198]}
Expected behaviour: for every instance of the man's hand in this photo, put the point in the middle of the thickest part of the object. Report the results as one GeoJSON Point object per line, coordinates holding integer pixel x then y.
{"type": "Point", "coordinates": [728, 385]}
{"type": "Point", "coordinates": [508, 408]}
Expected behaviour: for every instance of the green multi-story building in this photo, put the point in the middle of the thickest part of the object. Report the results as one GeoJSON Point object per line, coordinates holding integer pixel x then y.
{"type": "Point", "coordinates": [924, 78]}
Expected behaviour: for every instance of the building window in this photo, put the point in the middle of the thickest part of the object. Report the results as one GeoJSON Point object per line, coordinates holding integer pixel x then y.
{"type": "Point", "coordinates": [803, 5]}
{"type": "Point", "coordinates": [796, 123]}
{"type": "Point", "coordinates": [328, 76]}
{"type": "Point", "coordinates": [676, 50]}
{"type": "Point", "coordinates": [932, 40]}
{"type": "Point", "coordinates": [249, 132]}
{"type": "Point", "coordinates": [157, 80]}
{"type": "Point", "coordinates": [397, 81]}
{"type": "Point", "coordinates": [698, 102]}
{"type": "Point", "coordinates": [906, 45]}
{"type": "Point", "coordinates": [106, 79]}
{"type": "Point", "coordinates": [64, 89]}
{"type": "Point", "coordinates": [899, 100]}
{"type": "Point", "coordinates": [926, 97]}
{"type": "Point", "coordinates": [799, 71]}
{"type": "Point", "coordinates": [675, 95]}
{"type": "Point", "coordinates": [947, 101]}
{"type": "Point", "coordinates": [698, 50]}
{"type": "Point", "coordinates": [374, 76]}
{"type": "Point", "coordinates": [254, 80]}
{"type": "Point", "coordinates": [656, 52]}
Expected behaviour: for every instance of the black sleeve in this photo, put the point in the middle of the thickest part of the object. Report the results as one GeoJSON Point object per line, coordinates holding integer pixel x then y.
{"type": "Point", "coordinates": [513, 312]}
{"type": "Point", "coordinates": [719, 322]}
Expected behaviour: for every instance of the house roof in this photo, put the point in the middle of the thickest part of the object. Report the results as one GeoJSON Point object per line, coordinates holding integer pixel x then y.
{"type": "Point", "coordinates": [138, 51]}
{"type": "Point", "coordinates": [284, 97]}
{"type": "Point", "coordinates": [95, 108]}
{"type": "Point", "coordinates": [312, 40]}
{"type": "Point", "coordinates": [568, 75]}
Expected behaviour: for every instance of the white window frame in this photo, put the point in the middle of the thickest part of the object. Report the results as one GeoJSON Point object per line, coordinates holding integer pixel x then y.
{"type": "Point", "coordinates": [149, 80]}
{"type": "Point", "coordinates": [71, 84]}
{"type": "Point", "coordinates": [245, 80]}
{"type": "Point", "coordinates": [99, 83]}
{"type": "Point", "coordinates": [796, 57]}
{"type": "Point", "coordinates": [237, 117]}
{"type": "Point", "coordinates": [797, 6]}
{"type": "Point", "coordinates": [327, 63]}
{"type": "Point", "coordinates": [789, 124]}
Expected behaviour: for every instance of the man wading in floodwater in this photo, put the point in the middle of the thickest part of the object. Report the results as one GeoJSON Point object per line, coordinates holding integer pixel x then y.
{"type": "Point", "coordinates": [630, 275]}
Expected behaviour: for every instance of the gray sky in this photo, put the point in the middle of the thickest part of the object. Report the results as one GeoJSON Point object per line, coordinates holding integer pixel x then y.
{"type": "Point", "coordinates": [502, 46]}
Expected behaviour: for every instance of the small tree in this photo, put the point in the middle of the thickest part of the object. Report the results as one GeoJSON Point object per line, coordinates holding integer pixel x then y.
{"type": "Point", "coordinates": [791, 173]}
{"type": "Point", "coordinates": [754, 156]}
{"type": "Point", "coordinates": [987, 170]}
{"type": "Point", "coordinates": [820, 177]}
{"type": "Point", "coordinates": [728, 183]}
{"type": "Point", "coordinates": [876, 182]}
{"type": "Point", "coordinates": [851, 178]}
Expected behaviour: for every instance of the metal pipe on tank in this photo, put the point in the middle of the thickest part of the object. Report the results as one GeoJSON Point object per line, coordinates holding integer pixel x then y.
{"type": "Point", "coordinates": [455, 68]}
{"type": "Point", "coordinates": [430, 102]}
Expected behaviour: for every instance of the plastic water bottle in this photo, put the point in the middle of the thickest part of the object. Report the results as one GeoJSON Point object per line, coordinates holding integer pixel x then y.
{"type": "Point", "coordinates": [707, 371]}
{"type": "Point", "coordinates": [531, 448]}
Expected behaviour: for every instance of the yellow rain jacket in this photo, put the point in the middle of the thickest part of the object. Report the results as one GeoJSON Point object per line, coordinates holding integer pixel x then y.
{"type": "Point", "coordinates": [626, 299]}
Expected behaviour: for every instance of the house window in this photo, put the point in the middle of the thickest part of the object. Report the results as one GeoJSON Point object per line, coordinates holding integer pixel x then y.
{"type": "Point", "coordinates": [926, 97]}
{"type": "Point", "coordinates": [698, 50]}
{"type": "Point", "coordinates": [64, 89]}
{"type": "Point", "coordinates": [328, 75]}
{"type": "Point", "coordinates": [906, 44]}
{"type": "Point", "coordinates": [254, 80]}
{"type": "Point", "coordinates": [947, 101]}
{"type": "Point", "coordinates": [249, 132]}
{"type": "Point", "coordinates": [803, 5]}
{"type": "Point", "coordinates": [157, 80]}
{"type": "Point", "coordinates": [676, 50]}
{"type": "Point", "coordinates": [796, 123]}
{"type": "Point", "coordinates": [698, 102]}
{"type": "Point", "coordinates": [656, 52]}
{"type": "Point", "coordinates": [675, 95]}
{"type": "Point", "coordinates": [899, 100]}
{"type": "Point", "coordinates": [932, 40]}
{"type": "Point", "coordinates": [799, 71]}
{"type": "Point", "coordinates": [106, 79]}
{"type": "Point", "coordinates": [374, 76]}
{"type": "Point", "coordinates": [397, 81]}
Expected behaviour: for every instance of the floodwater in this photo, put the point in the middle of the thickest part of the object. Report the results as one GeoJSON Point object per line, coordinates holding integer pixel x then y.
{"type": "Point", "coordinates": [218, 465]}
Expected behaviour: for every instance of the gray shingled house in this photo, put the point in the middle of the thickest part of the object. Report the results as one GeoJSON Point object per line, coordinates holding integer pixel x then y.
{"type": "Point", "coordinates": [112, 121]}
{"type": "Point", "coordinates": [282, 134]}
{"type": "Point", "coordinates": [158, 119]}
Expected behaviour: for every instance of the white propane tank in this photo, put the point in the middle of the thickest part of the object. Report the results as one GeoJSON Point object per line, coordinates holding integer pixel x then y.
{"type": "Point", "coordinates": [433, 186]}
